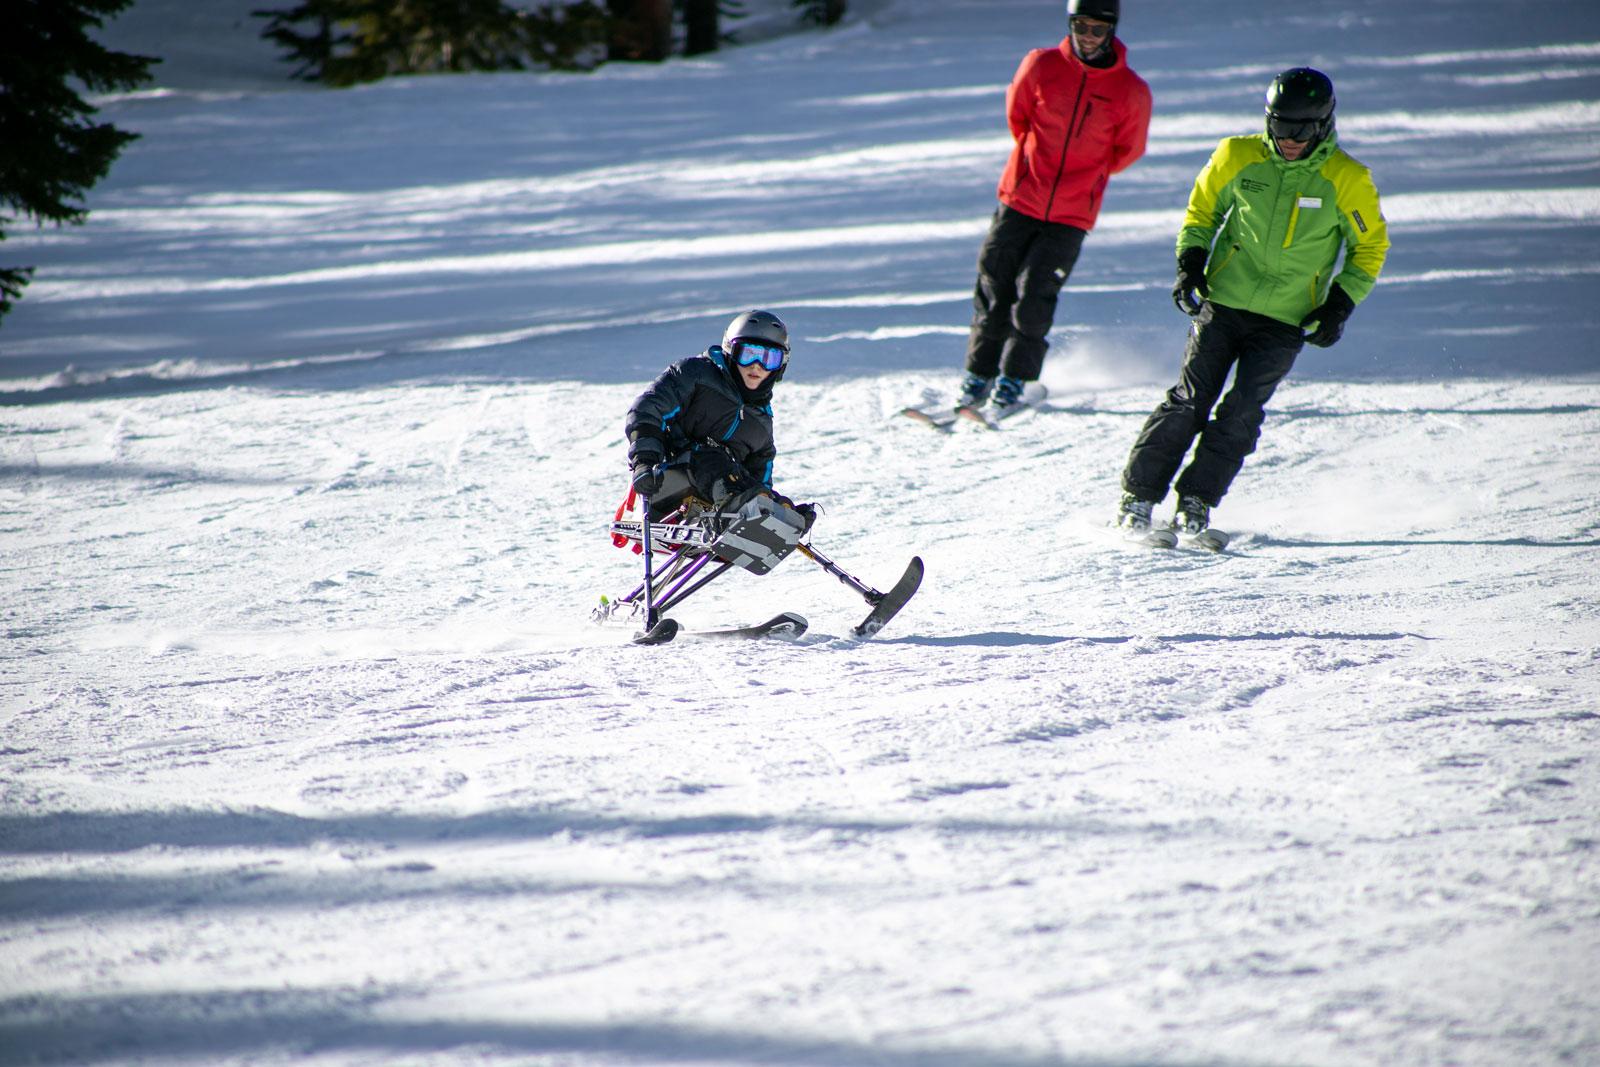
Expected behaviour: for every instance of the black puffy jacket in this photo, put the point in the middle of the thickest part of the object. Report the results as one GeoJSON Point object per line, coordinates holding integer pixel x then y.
{"type": "Point", "coordinates": [700, 417]}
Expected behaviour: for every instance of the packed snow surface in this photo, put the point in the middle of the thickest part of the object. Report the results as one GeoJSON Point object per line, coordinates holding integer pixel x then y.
{"type": "Point", "coordinates": [310, 753]}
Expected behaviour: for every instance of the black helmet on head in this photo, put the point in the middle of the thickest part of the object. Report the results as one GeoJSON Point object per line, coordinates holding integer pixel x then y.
{"type": "Point", "coordinates": [761, 326]}
{"type": "Point", "coordinates": [1104, 10]}
{"type": "Point", "coordinates": [1300, 106]}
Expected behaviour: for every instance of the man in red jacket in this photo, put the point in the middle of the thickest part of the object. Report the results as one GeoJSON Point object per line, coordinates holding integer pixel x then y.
{"type": "Point", "coordinates": [1079, 114]}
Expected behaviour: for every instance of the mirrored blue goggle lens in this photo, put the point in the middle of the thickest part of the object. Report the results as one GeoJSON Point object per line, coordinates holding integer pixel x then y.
{"type": "Point", "coordinates": [749, 352]}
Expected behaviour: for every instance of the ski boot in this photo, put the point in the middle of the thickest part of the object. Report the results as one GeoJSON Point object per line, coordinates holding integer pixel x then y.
{"type": "Point", "coordinates": [974, 391]}
{"type": "Point", "coordinates": [1134, 514]}
{"type": "Point", "coordinates": [1193, 515]}
{"type": "Point", "coordinates": [1007, 394]}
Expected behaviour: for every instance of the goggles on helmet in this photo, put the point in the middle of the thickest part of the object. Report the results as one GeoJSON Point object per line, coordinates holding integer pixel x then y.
{"type": "Point", "coordinates": [748, 353]}
{"type": "Point", "coordinates": [1090, 28]}
{"type": "Point", "coordinates": [1289, 129]}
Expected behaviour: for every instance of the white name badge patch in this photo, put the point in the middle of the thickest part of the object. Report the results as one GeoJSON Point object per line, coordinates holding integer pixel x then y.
{"type": "Point", "coordinates": [1311, 201]}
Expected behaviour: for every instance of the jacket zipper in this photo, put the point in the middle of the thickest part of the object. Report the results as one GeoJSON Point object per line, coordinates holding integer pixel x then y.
{"type": "Point", "coordinates": [1065, 148]}
{"type": "Point", "coordinates": [1232, 250]}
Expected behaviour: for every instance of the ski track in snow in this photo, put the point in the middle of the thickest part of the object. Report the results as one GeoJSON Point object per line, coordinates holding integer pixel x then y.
{"type": "Point", "coordinates": [309, 752]}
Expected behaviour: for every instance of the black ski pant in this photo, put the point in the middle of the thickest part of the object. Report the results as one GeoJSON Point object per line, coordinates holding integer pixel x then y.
{"type": "Point", "coordinates": [1021, 268]}
{"type": "Point", "coordinates": [1260, 351]}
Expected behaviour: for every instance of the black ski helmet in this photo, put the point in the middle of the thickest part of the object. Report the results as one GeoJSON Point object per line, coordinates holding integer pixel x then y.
{"type": "Point", "coordinates": [1104, 10]}
{"type": "Point", "coordinates": [761, 326]}
{"type": "Point", "coordinates": [1300, 107]}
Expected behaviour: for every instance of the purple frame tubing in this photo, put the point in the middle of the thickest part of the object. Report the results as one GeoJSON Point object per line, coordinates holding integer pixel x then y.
{"type": "Point", "coordinates": [664, 598]}
{"type": "Point", "coordinates": [638, 590]}
{"type": "Point", "coordinates": [672, 602]}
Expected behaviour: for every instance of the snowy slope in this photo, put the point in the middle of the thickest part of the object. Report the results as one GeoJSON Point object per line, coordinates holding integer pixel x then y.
{"type": "Point", "coordinates": [308, 752]}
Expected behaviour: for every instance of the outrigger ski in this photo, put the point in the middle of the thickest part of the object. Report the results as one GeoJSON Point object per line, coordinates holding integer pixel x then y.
{"type": "Point", "coordinates": [890, 603]}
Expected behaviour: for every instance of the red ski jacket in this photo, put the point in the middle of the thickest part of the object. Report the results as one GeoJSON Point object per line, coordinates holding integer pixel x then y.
{"type": "Point", "coordinates": [1075, 126]}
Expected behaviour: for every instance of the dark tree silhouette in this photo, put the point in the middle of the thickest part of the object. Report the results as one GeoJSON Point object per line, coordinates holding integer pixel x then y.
{"type": "Point", "coordinates": [822, 12]}
{"type": "Point", "coordinates": [51, 149]}
{"type": "Point", "coordinates": [701, 32]}
{"type": "Point", "coordinates": [345, 42]}
{"type": "Point", "coordinates": [640, 29]}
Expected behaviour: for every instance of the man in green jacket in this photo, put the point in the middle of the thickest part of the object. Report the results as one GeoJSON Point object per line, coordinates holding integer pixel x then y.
{"type": "Point", "coordinates": [1260, 247]}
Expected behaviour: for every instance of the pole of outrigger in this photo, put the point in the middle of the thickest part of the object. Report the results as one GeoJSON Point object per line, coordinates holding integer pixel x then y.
{"type": "Point", "coordinates": [872, 595]}
{"type": "Point", "coordinates": [649, 576]}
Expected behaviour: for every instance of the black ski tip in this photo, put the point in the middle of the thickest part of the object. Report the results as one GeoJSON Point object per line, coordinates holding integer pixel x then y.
{"type": "Point", "coordinates": [788, 625]}
{"type": "Point", "coordinates": [659, 634]}
{"type": "Point", "coordinates": [893, 600]}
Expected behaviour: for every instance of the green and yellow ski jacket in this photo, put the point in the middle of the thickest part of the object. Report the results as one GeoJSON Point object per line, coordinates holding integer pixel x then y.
{"type": "Point", "coordinates": [1282, 227]}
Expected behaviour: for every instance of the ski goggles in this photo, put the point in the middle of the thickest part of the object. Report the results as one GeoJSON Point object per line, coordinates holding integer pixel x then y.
{"type": "Point", "coordinates": [1089, 28]}
{"type": "Point", "coordinates": [1288, 129]}
{"type": "Point", "coordinates": [748, 353]}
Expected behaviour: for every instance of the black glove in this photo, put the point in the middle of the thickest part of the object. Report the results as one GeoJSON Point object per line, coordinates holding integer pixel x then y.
{"type": "Point", "coordinates": [1191, 280]}
{"type": "Point", "coordinates": [731, 487]}
{"type": "Point", "coordinates": [1329, 318]}
{"type": "Point", "coordinates": [647, 472]}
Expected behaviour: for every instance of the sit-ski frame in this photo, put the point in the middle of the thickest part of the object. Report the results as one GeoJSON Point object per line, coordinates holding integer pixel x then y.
{"type": "Point", "coordinates": [691, 552]}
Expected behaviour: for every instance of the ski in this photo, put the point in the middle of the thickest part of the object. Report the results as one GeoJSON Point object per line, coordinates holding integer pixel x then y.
{"type": "Point", "coordinates": [659, 634]}
{"type": "Point", "coordinates": [892, 601]}
{"type": "Point", "coordinates": [942, 420]}
{"type": "Point", "coordinates": [1210, 539]}
{"type": "Point", "coordinates": [1154, 537]}
{"type": "Point", "coordinates": [787, 625]}
{"type": "Point", "coordinates": [1207, 540]}
{"type": "Point", "coordinates": [1032, 397]}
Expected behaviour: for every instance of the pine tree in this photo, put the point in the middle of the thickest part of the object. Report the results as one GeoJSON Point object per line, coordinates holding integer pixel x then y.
{"type": "Point", "coordinates": [345, 42]}
{"type": "Point", "coordinates": [51, 150]}
{"type": "Point", "coordinates": [701, 33]}
{"type": "Point", "coordinates": [822, 12]}
{"type": "Point", "coordinates": [640, 29]}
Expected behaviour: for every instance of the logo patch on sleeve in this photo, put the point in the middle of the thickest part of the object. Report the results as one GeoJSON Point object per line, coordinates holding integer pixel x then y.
{"type": "Point", "coordinates": [1361, 223]}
